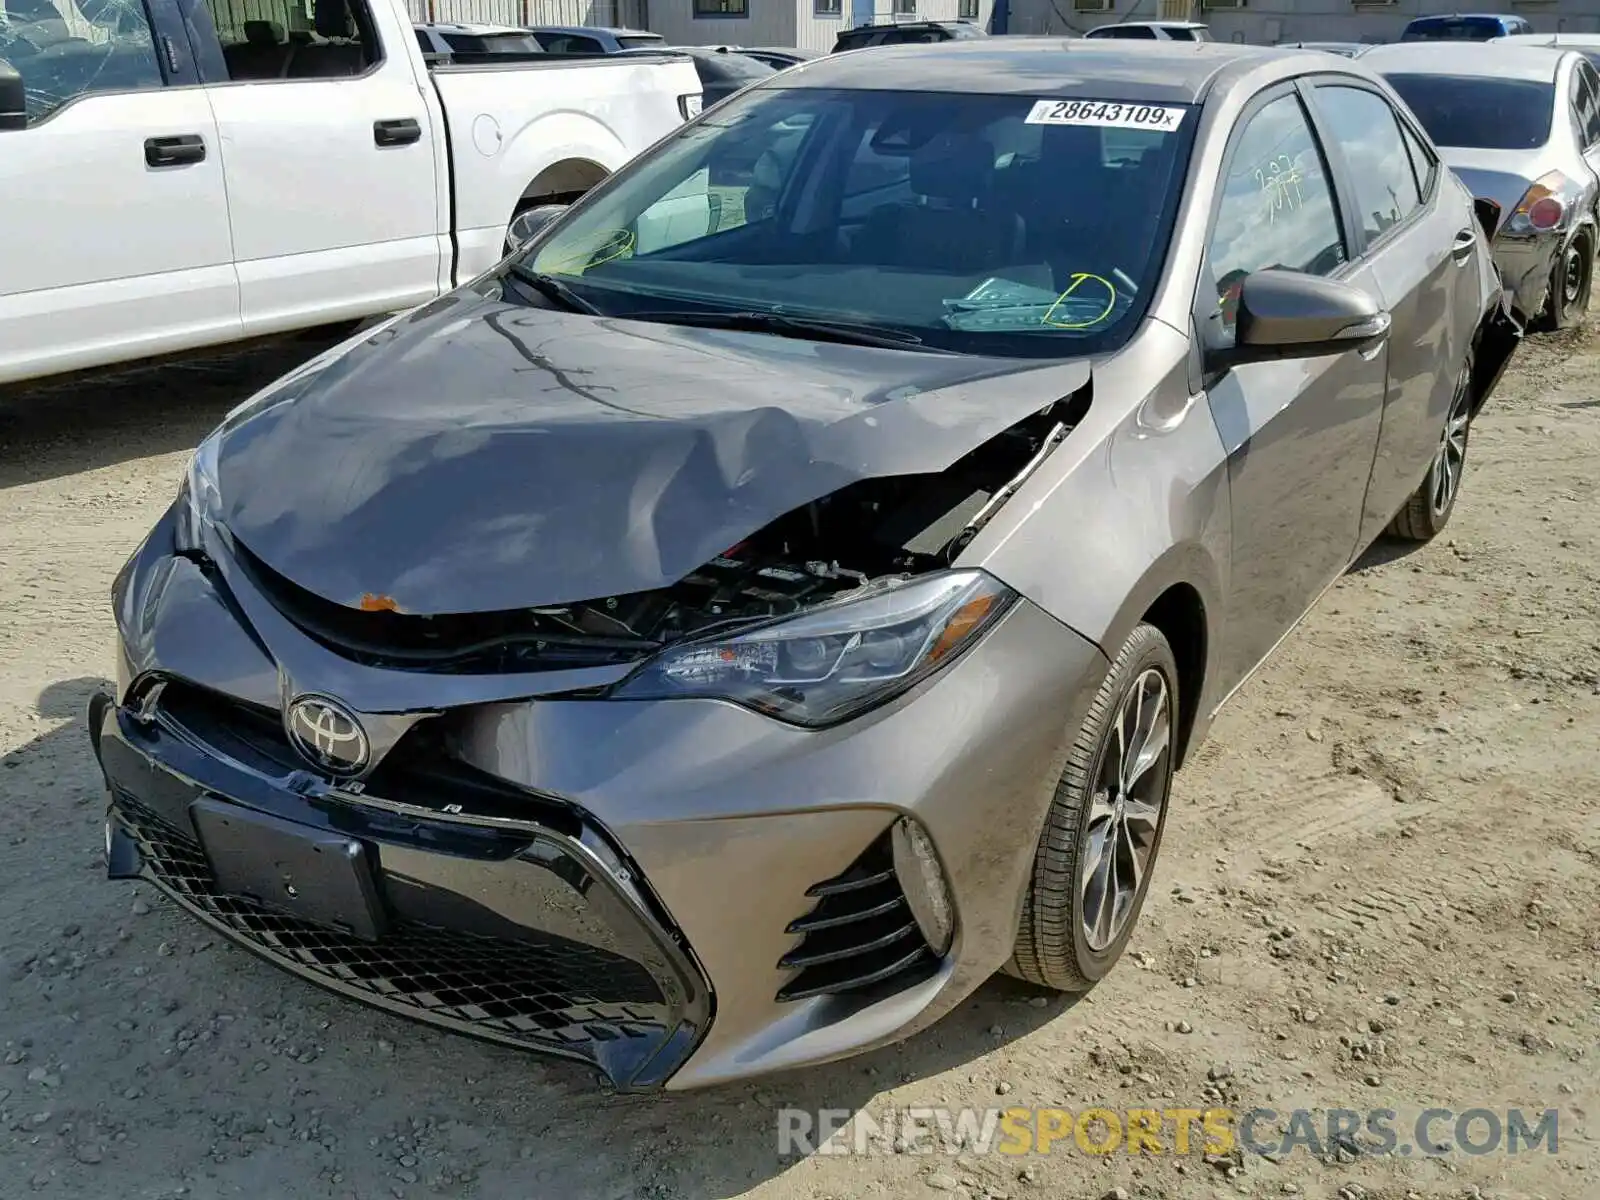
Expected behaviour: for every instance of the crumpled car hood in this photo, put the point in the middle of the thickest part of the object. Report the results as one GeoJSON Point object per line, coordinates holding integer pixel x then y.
{"type": "Point", "coordinates": [479, 456]}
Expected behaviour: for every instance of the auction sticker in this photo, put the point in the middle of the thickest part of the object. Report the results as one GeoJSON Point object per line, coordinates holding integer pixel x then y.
{"type": "Point", "coordinates": [1161, 118]}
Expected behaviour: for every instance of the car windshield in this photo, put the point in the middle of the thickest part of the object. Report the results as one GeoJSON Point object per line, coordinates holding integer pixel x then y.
{"type": "Point", "coordinates": [1007, 225]}
{"type": "Point", "coordinates": [493, 43]}
{"type": "Point", "coordinates": [1476, 112]}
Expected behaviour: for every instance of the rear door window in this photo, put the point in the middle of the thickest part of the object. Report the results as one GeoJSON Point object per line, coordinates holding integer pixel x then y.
{"type": "Point", "coordinates": [1367, 132]}
{"type": "Point", "coordinates": [1586, 102]}
{"type": "Point", "coordinates": [568, 43]}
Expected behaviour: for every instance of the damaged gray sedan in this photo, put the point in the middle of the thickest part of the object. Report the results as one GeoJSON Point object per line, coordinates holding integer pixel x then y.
{"type": "Point", "coordinates": [778, 596]}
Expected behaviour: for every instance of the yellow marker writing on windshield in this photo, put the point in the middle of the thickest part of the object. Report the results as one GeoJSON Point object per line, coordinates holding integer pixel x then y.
{"type": "Point", "coordinates": [1078, 280]}
{"type": "Point", "coordinates": [617, 243]}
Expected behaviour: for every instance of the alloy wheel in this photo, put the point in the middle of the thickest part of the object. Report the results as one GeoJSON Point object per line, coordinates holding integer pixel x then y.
{"type": "Point", "coordinates": [1451, 454]}
{"type": "Point", "coordinates": [1130, 794]}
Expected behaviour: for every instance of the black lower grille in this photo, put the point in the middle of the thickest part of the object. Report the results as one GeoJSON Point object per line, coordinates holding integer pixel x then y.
{"type": "Point", "coordinates": [545, 993]}
{"type": "Point", "coordinates": [861, 938]}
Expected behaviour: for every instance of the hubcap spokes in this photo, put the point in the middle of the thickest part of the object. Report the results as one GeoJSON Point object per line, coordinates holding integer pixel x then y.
{"type": "Point", "coordinates": [1125, 809]}
{"type": "Point", "coordinates": [1451, 455]}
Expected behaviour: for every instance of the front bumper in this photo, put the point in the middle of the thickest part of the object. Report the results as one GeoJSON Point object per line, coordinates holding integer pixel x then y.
{"type": "Point", "coordinates": [646, 871]}
{"type": "Point", "coordinates": [522, 931]}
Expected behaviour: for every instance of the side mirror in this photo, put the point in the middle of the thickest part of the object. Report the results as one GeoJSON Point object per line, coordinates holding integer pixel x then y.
{"type": "Point", "coordinates": [1288, 314]}
{"type": "Point", "coordinates": [526, 225]}
{"type": "Point", "coordinates": [13, 99]}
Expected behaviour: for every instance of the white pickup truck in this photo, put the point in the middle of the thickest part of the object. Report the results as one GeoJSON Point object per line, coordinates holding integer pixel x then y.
{"type": "Point", "coordinates": [178, 174]}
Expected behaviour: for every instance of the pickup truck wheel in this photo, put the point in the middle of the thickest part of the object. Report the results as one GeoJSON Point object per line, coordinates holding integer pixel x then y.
{"type": "Point", "coordinates": [1094, 862]}
{"type": "Point", "coordinates": [1429, 508]}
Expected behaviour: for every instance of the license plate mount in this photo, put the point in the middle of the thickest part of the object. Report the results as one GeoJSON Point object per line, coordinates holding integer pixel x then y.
{"type": "Point", "coordinates": [318, 875]}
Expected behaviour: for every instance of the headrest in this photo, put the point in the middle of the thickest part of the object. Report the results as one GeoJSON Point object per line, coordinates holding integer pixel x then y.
{"type": "Point", "coordinates": [263, 33]}
{"type": "Point", "coordinates": [953, 167]}
{"type": "Point", "coordinates": [333, 18]}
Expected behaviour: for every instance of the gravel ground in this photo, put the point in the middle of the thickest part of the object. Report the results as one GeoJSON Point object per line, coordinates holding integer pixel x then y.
{"type": "Point", "coordinates": [1379, 890]}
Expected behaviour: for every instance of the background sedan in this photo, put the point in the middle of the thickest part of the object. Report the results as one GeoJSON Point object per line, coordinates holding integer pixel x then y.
{"type": "Point", "coordinates": [1521, 127]}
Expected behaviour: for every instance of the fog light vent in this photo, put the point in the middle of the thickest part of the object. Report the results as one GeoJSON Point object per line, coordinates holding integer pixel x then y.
{"type": "Point", "coordinates": [865, 937]}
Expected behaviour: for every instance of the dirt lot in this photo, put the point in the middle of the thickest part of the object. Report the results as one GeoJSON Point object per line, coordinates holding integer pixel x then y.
{"type": "Point", "coordinates": [1379, 890]}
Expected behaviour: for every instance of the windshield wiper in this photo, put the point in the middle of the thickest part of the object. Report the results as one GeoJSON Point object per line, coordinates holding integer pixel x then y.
{"type": "Point", "coordinates": [552, 288]}
{"type": "Point", "coordinates": [783, 325]}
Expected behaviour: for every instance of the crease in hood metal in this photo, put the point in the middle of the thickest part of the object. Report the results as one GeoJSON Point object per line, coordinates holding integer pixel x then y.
{"type": "Point", "coordinates": [479, 456]}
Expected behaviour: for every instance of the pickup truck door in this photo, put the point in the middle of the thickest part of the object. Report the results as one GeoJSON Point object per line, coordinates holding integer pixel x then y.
{"type": "Point", "coordinates": [114, 240]}
{"type": "Point", "coordinates": [336, 171]}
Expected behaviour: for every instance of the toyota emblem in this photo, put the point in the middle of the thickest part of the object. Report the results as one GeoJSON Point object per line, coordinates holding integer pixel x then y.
{"type": "Point", "coordinates": [327, 735]}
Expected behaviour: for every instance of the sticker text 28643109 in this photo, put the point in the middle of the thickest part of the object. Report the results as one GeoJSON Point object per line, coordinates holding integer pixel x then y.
{"type": "Point", "coordinates": [1115, 114]}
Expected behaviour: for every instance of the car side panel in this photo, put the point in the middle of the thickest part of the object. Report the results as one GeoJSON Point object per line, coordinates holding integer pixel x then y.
{"type": "Point", "coordinates": [1429, 295]}
{"type": "Point", "coordinates": [1134, 501]}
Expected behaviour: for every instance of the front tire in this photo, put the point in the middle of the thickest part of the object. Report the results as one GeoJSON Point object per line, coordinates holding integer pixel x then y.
{"type": "Point", "coordinates": [1095, 858]}
{"type": "Point", "coordinates": [1428, 510]}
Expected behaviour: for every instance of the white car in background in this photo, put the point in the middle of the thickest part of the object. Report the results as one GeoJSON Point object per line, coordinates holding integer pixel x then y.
{"type": "Point", "coordinates": [1159, 31]}
{"type": "Point", "coordinates": [177, 176]}
{"type": "Point", "coordinates": [1586, 44]}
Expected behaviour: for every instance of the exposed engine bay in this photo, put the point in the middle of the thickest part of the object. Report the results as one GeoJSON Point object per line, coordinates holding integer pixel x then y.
{"type": "Point", "coordinates": [866, 533]}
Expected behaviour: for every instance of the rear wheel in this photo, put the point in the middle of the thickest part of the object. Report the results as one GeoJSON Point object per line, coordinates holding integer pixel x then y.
{"type": "Point", "coordinates": [1093, 865]}
{"type": "Point", "coordinates": [1571, 282]}
{"type": "Point", "coordinates": [1429, 508]}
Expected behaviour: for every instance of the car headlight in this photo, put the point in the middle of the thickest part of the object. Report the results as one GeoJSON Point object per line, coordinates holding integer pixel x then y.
{"type": "Point", "coordinates": [199, 498]}
{"type": "Point", "coordinates": [836, 660]}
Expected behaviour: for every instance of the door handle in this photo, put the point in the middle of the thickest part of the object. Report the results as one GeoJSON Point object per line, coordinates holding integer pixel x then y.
{"type": "Point", "coordinates": [176, 151]}
{"type": "Point", "coordinates": [1461, 248]}
{"type": "Point", "coordinates": [397, 133]}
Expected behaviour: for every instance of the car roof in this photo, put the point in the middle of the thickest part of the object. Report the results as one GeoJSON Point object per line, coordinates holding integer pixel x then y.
{"type": "Point", "coordinates": [1446, 18]}
{"type": "Point", "coordinates": [1149, 25]}
{"type": "Point", "coordinates": [1539, 63]}
{"type": "Point", "coordinates": [1155, 72]}
{"type": "Point", "coordinates": [613, 30]}
{"type": "Point", "coordinates": [469, 27]}
{"type": "Point", "coordinates": [1558, 40]}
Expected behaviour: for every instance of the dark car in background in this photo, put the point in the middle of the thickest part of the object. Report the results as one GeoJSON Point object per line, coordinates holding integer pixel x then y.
{"type": "Point", "coordinates": [460, 38]}
{"type": "Point", "coordinates": [1464, 27]}
{"type": "Point", "coordinates": [901, 33]}
{"type": "Point", "coordinates": [778, 57]}
{"type": "Point", "coordinates": [594, 39]}
{"type": "Point", "coordinates": [722, 70]}
{"type": "Point", "coordinates": [1521, 126]}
